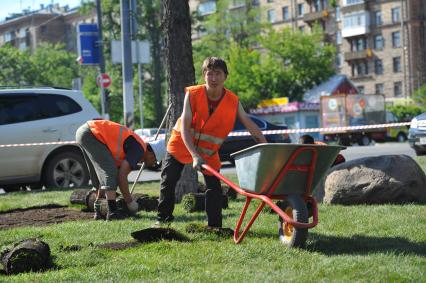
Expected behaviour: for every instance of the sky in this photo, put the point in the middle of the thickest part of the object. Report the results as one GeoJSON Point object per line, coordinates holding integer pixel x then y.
{"type": "Point", "coordinates": [16, 6]}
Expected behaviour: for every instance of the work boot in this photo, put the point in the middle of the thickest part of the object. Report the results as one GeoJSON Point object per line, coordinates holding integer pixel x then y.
{"type": "Point", "coordinates": [116, 215]}
{"type": "Point", "coordinates": [97, 208]}
{"type": "Point", "coordinates": [161, 223]}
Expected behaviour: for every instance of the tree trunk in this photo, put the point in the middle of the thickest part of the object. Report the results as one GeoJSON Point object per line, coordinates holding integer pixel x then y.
{"type": "Point", "coordinates": [27, 255]}
{"type": "Point", "coordinates": [180, 73]}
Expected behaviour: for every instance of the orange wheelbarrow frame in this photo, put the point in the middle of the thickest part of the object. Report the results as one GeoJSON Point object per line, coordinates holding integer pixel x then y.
{"type": "Point", "coordinates": [267, 197]}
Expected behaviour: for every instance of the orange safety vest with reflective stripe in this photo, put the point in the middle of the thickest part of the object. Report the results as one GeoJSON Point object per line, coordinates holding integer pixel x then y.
{"type": "Point", "coordinates": [113, 136]}
{"type": "Point", "coordinates": [208, 131]}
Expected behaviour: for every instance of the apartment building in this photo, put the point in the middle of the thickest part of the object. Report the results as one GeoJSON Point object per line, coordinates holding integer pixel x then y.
{"type": "Point", "coordinates": [51, 23]}
{"type": "Point", "coordinates": [380, 43]}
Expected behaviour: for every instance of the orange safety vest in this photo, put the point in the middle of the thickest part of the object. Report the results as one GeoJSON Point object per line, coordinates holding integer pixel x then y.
{"type": "Point", "coordinates": [113, 136]}
{"type": "Point", "coordinates": [208, 131]}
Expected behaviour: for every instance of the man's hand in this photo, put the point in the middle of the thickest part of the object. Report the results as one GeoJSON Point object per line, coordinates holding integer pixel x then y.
{"type": "Point", "coordinates": [133, 207]}
{"type": "Point", "coordinates": [197, 162]}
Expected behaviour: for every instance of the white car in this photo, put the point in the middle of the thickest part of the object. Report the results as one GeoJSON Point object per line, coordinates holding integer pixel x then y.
{"type": "Point", "coordinates": [40, 115]}
{"type": "Point", "coordinates": [149, 133]}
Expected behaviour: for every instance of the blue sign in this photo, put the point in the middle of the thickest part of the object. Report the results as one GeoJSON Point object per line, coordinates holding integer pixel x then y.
{"type": "Point", "coordinates": [88, 44]}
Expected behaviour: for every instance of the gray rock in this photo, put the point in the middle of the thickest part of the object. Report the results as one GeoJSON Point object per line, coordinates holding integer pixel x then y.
{"type": "Point", "coordinates": [374, 180]}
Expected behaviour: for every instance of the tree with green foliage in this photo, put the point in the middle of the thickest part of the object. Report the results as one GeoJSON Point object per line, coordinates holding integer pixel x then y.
{"type": "Point", "coordinates": [297, 61]}
{"type": "Point", "coordinates": [272, 64]}
{"type": "Point", "coordinates": [239, 25]}
{"type": "Point", "coordinates": [15, 67]}
{"type": "Point", "coordinates": [49, 65]}
{"type": "Point", "coordinates": [419, 97]}
{"type": "Point", "coordinates": [405, 113]}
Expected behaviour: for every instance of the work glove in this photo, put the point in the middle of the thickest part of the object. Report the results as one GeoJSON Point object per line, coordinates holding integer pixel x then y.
{"type": "Point", "coordinates": [197, 162]}
{"type": "Point", "coordinates": [133, 207]}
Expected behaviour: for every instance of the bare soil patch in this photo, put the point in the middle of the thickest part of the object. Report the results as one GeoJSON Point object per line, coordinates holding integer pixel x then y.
{"type": "Point", "coordinates": [40, 216]}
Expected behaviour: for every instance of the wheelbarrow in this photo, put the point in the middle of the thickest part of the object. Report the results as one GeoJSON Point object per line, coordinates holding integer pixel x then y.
{"type": "Point", "coordinates": [284, 172]}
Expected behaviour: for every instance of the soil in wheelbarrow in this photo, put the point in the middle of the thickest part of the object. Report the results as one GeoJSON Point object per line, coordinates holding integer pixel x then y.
{"type": "Point", "coordinates": [40, 216]}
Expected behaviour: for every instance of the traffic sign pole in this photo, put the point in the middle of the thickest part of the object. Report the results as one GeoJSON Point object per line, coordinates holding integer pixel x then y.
{"type": "Point", "coordinates": [104, 105]}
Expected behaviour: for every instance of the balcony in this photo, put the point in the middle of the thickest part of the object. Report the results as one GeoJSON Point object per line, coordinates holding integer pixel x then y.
{"type": "Point", "coordinates": [358, 55]}
{"type": "Point", "coordinates": [316, 16]}
{"type": "Point", "coordinates": [354, 8]}
{"type": "Point", "coordinates": [356, 24]}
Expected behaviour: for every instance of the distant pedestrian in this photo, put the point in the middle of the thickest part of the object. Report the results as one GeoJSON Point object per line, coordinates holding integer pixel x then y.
{"type": "Point", "coordinates": [111, 152]}
{"type": "Point", "coordinates": [209, 114]}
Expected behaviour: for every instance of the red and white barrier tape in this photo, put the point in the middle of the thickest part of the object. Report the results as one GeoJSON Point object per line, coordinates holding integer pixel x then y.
{"type": "Point", "coordinates": [245, 133]}
{"type": "Point", "coordinates": [324, 130]}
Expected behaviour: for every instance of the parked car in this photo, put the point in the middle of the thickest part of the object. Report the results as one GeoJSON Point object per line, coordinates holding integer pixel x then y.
{"type": "Point", "coordinates": [236, 143]}
{"type": "Point", "coordinates": [148, 133]}
{"type": "Point", "coordinates": [395, 133]}
{"type": "Point", "coordinates": [417, 134]}
{"type": "Point", "coordinates": [38, 115]}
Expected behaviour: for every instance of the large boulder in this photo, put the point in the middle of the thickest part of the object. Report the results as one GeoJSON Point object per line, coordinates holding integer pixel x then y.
{"type": "Point", "coordinates": [374, 180]}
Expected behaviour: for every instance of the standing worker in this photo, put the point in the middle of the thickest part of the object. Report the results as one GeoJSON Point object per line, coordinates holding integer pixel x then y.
{"type": "Point", "coordinates": [209, 114]}
{"type": "Point", "coordinates": [111, 151]}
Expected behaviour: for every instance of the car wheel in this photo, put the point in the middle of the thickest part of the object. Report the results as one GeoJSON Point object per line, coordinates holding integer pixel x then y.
{"type": "Point", "coordinates": [66, 170]}
{"type": "Point", "coordinates": [420, 153]}
{"type": "Point", "coordinates": [364, 140]}
{"type": "Point", "coordinates": [11, 188]}
{"type": "Point", "coordinates": [401, 137]}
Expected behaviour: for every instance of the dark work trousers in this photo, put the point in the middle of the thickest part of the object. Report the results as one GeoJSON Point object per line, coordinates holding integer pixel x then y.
{"type": "Point", "coordinates": [170, 174]}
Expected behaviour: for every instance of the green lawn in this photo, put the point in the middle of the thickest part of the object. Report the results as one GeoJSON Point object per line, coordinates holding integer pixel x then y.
{"type": "Point", "coordinates": [379, 243]}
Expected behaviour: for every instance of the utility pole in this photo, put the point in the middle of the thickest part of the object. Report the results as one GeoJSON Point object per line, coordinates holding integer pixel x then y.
{"type": "Point", "coordinates": [104, 105]}
{"type": "Point", "coordinates": [126, 49]}
{"type": "Point", "coordinates": [134, 29]}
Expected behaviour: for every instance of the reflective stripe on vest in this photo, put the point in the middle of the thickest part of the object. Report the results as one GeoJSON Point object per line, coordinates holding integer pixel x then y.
{"type": "Point", "coordinates": [119, 147]}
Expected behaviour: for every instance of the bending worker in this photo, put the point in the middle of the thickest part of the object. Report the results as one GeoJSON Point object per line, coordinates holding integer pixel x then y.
{"type": "Point", "coordinates": [209, 114]}
{"type": "Point", "coordinates": [111, 151]}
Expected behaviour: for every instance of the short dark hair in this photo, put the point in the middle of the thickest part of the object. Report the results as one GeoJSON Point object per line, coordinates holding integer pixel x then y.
{"type": "Point", "coordinates": [307, 139]}
{"type": "Point", "coordinates": [211, 63]}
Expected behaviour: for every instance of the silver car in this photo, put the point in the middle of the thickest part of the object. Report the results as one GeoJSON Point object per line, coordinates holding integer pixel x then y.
{"type": "Point", "coordinates": [40, 115]}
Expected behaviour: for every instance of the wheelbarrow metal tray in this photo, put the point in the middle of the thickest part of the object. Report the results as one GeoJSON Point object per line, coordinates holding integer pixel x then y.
{"type": "Point", "coordinates": [258, 166]}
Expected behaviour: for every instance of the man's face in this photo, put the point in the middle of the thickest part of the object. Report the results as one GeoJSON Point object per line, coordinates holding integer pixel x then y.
{"type": "Point", "coordinates": [215, 78]}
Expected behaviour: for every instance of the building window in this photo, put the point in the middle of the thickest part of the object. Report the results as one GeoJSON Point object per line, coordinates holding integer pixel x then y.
{"type": "Point", "coordinates": [43, 29]}
{"type": "Point", "coordinates": [397, 64]}
{"type": "Point", "coordinates": [396, 15]}
{"type": "Point", "coordinates": [397, 89]}
{"type": "Point", "coordinates": [380, 89]}
{"type": "Point", "coordinates": [378, 67]}
{"type": "Point", "coordinates": [396, 39]}
{"type": "Point", "coordinates": [352, 2]}
{"type": "Point", "coordinates": [361, 89]}
{"type": "Point", "coordinates": [338, 37]}
{"type": "Point", "coordinates": [270, 1]}
{"type": "Point", "coordinates": [378, 42]}
{"type": "Point", "coordinates": [338, 13]}
{"type": "Point", "coordinates": [354, 20]}
{"type": "Point", "coordinates": [271, 16]}
{"type": "Point", "coordinates": [286, 15]}
{"type": "Point", "coordinates": [317, 5]}
{"type": "Point", "coordinates": [300, 9]}
{"type": "Point", "coordinates": [360, 69]}
{"type": "Point", "coordinates": [207, 7]}
{"type": "Point", "coordinates": [378, 18]}
{"type": "Point", "coordinates": [339, 60]}
{"type": "Point", "coordinates": [358, 44]}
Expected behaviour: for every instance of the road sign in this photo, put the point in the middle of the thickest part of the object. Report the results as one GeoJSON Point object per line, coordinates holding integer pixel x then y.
{"type": "Point", "coordinates": [88, 44]}
{"type": "Point", "coordinates": [140, 52]}
{"type": "Point", "coordinates": [103, 80]}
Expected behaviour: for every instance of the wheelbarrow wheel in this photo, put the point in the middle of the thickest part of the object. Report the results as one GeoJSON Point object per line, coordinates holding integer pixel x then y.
{"type": "Point", "coordinates": [295, 207]}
